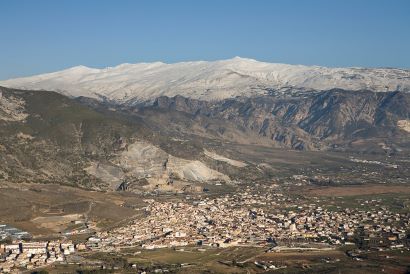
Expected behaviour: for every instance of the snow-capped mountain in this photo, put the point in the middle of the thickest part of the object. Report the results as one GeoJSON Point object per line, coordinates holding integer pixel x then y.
{"type": "Point", "coordinates": [208, 80]}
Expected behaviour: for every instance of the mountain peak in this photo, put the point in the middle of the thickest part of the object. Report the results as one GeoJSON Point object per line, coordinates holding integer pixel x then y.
{"type": "Point", "coordinates": [242, 59]}
{"type": "Point", "coordinates": [81, 69]}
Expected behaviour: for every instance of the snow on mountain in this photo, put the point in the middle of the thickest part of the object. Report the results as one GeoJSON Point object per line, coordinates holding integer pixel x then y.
{"type": "Point", "coordinates": [127, 83]}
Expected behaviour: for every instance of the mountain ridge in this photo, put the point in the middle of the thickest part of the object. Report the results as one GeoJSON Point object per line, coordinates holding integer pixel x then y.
{"type": "Point", "coordinates": [335, 119]}
{"type": "Point", "coordinates": [208, 80]}
{"type": "Point", "coordinates": [181, 143]}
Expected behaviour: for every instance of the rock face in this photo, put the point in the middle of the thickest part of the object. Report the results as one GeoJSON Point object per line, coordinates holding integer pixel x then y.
{"type": "Point", "coordinates": [142, 160]}
{"type": "Point", "coordinates": [209, 81]}
{"type": "Point", "coordinates": [11, 108]}
{"type": "Point", "coordinates": [321, 120]}
{"type": "Point", "coordinates": [404, 125]}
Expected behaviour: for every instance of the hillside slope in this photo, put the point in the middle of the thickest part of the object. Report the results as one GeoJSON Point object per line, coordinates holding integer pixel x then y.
{"type": "Point", "coordinates": [47, 137]}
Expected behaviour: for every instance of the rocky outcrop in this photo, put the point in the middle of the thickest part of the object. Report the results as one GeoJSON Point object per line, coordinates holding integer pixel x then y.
{"type": "Point", "coordinates": [11, 108]}
{"type": "Point", "coordinates": [320, 120]}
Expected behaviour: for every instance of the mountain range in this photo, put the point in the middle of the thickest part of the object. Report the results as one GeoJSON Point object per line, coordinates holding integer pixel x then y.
{"type": "Point", "coordinates": [209, 81]}
{"type": "Point", "coordinates": [169, 126]}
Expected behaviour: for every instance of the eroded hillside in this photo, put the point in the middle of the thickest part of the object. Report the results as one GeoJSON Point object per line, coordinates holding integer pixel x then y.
{"type": "Point", "coordinates": [47, 137]}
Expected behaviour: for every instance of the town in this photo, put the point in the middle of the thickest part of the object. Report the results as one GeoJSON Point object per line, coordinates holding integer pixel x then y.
{"type": "Point", "coordinates": [263, 217]}
{"type": "Point", "coordinates": [36, 254]}
{"type": "Point", "coordinates": [246, 219]}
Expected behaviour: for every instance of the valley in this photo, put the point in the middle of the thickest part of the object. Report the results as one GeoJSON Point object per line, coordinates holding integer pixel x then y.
{"type": "Point", "coordinates": [205, 137]}
{"type": "Point", "coordinates": [294, 180]}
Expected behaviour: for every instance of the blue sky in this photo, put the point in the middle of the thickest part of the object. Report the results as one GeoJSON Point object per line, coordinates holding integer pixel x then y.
{"type": "Point", "coordinates": [44, 36]}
